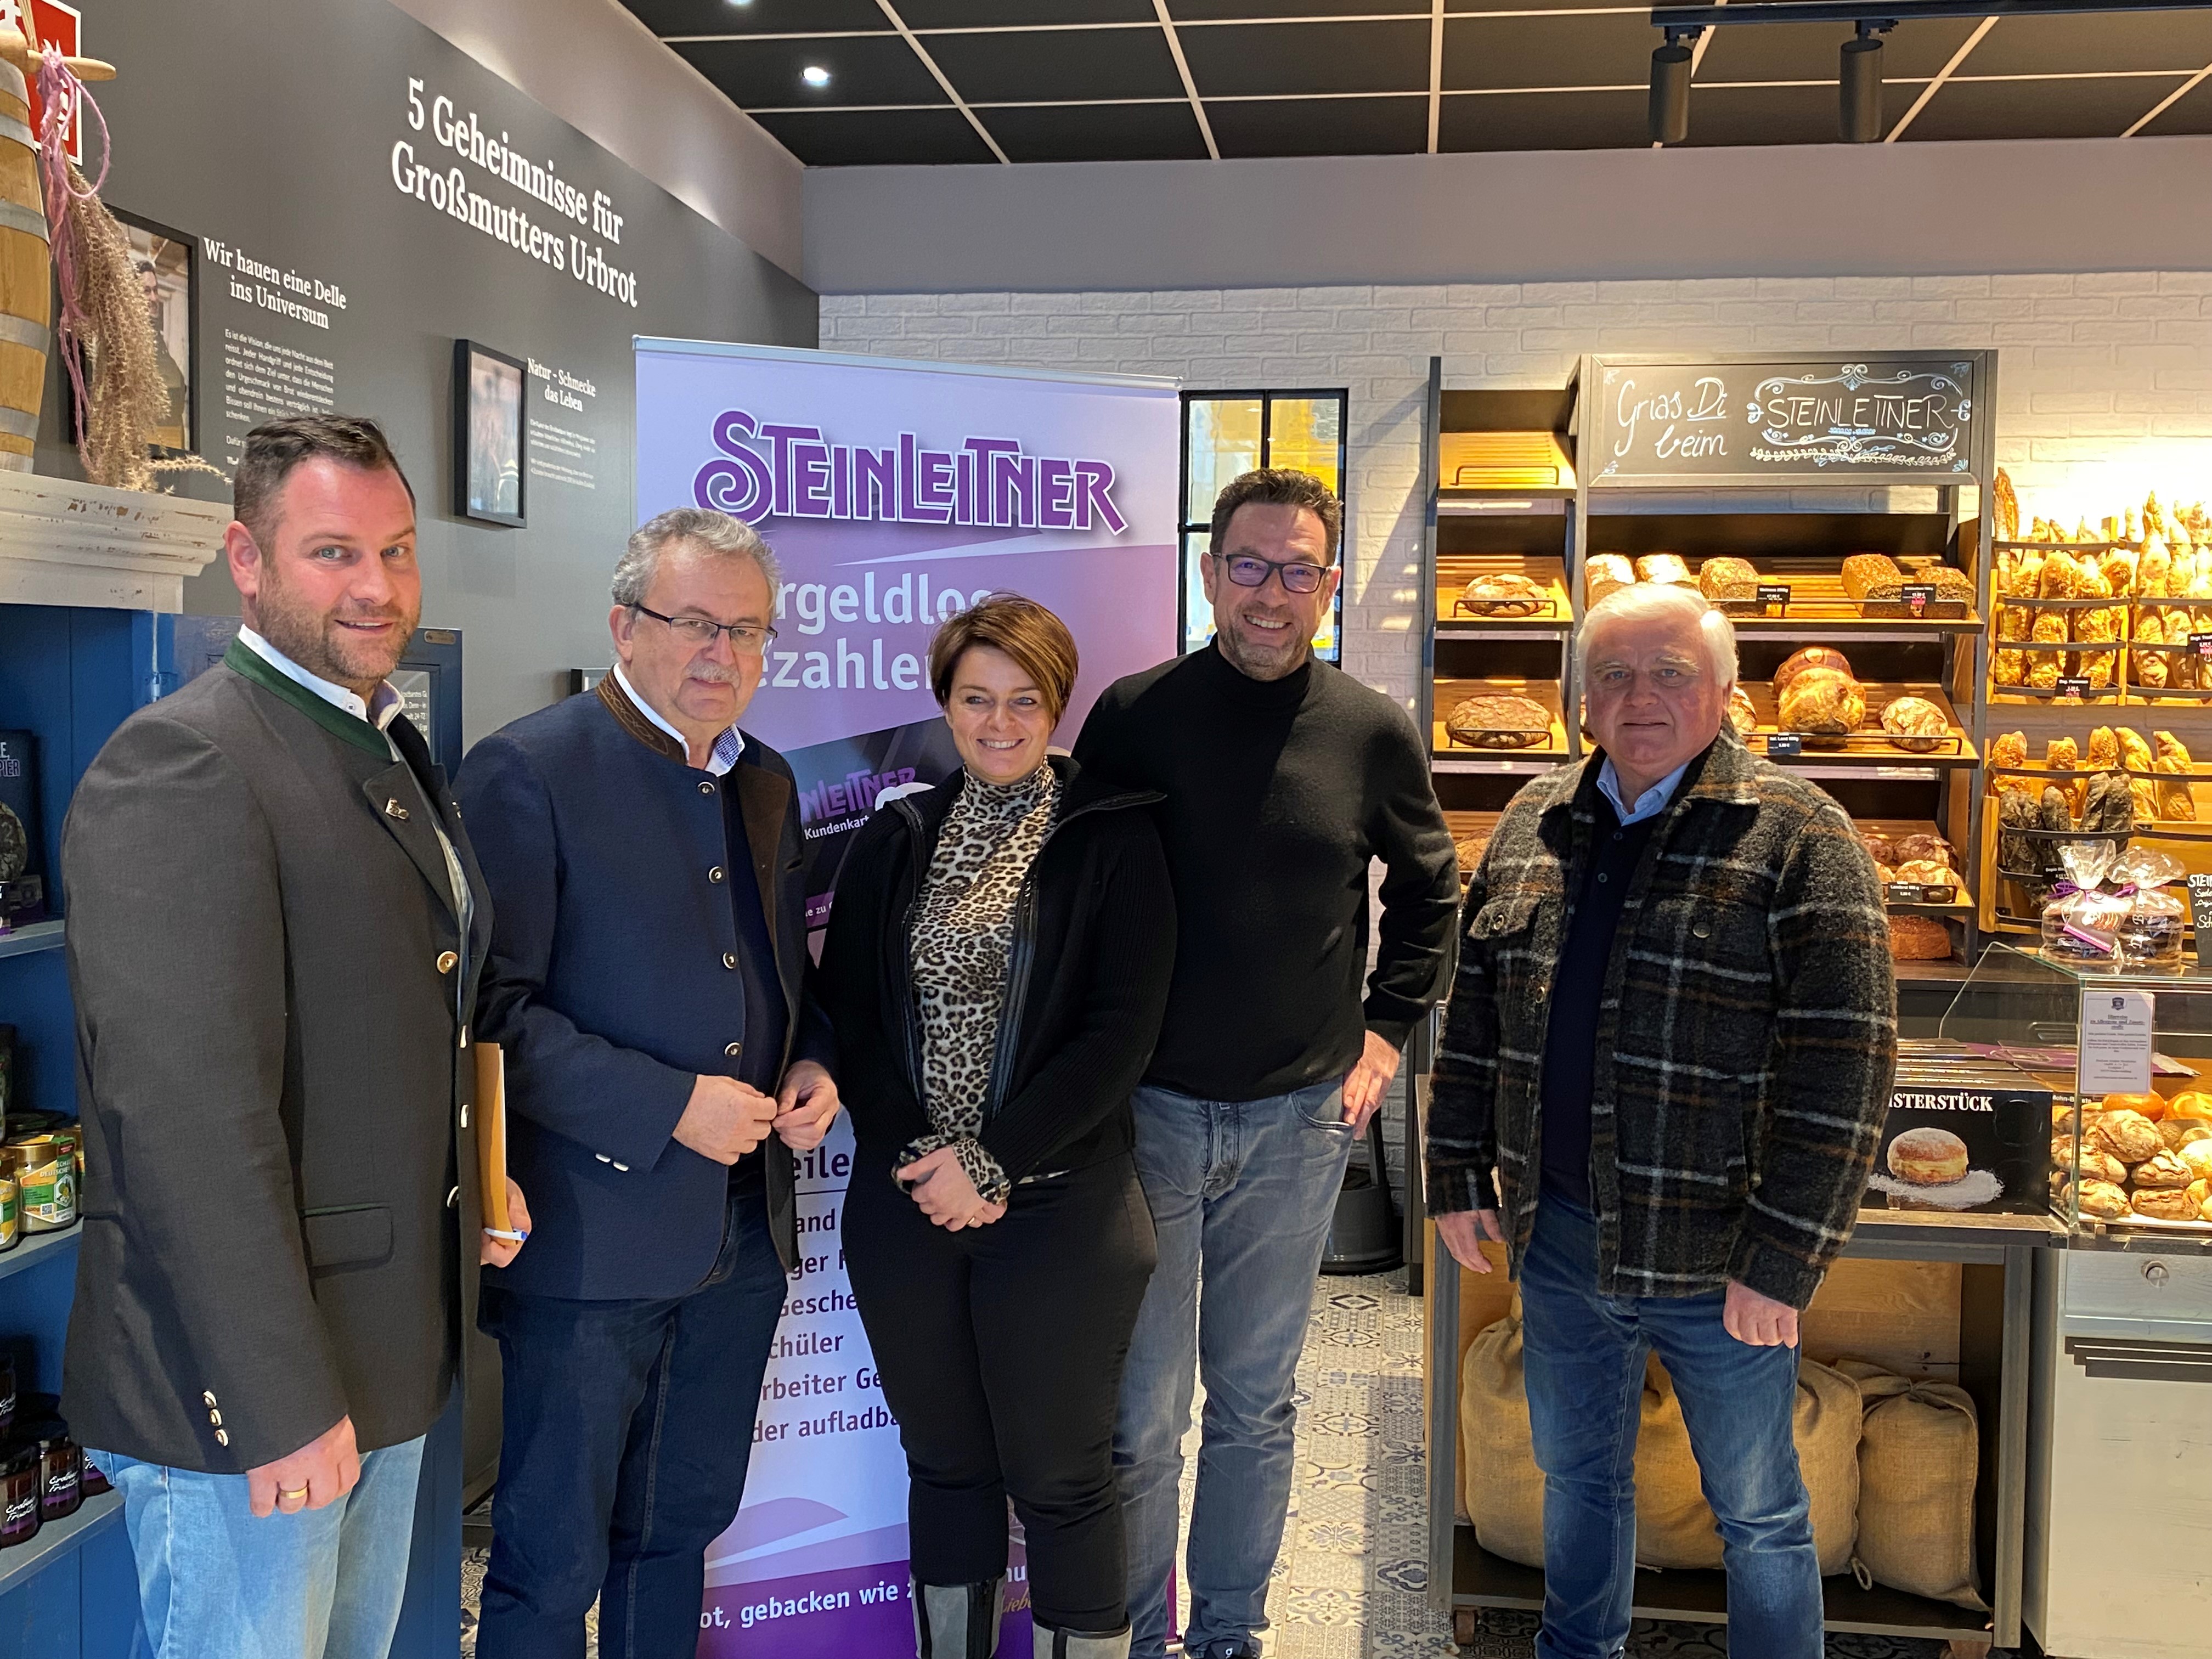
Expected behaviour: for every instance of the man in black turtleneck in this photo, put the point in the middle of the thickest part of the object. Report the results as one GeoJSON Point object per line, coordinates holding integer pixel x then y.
{"type": "Point", "coordinates": [1285, 779]}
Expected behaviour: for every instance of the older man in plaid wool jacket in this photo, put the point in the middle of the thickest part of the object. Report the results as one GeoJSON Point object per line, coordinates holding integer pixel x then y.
{"type": "Point", "coordinates": [1662, 1085]}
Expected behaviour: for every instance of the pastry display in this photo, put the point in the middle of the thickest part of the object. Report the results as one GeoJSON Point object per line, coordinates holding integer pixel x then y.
{"type": "Point", "coordinates": [1605, 572]}
{"type": "Point", "coordinates": [1811, 656]}
{"type": "Point", "coordinates": [1727, 578]}
{"type": "Point", "coordinates": [1741, 714]}
{"type": "Point", "coordinates": [1663, 567]}
{"type": "Point", "coordinates": [1822, 702]}
{"type": "Point", "coordinates": [1499, 721]}
{"type": "Point", "coordinates": [1926, 1156]}
{"type": "Point", "coordinates": [1504, 594]}
{"type": "Point", "coordinates": [1918, 938]}
{"type": "Point", "coordinates": [2009, 749]}
{"type": "Point", "coordinates": [1915, 724]}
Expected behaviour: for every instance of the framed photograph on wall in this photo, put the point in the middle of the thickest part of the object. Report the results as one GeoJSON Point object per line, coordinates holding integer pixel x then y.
{"type": "Point", "coordinates": [489, 434]}
{"type": "Point", "coordinates": [165, 262]}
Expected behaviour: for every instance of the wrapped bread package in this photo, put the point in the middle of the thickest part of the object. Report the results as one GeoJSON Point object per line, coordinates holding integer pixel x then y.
{"type": "Point", "coordinates": [1823, 702]}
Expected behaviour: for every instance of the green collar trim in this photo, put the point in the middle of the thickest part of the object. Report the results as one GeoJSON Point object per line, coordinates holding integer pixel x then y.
{"type": "Point", "coordinates": [244, 660]}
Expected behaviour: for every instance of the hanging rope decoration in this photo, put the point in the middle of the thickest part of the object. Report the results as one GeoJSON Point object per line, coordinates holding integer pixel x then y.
{"type": "Point", "coordinates": [105, 335]}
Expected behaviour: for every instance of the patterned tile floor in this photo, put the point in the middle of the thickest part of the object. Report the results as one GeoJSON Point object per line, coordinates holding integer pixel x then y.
{"type": "Point", "coordinates": [1352, 1580]}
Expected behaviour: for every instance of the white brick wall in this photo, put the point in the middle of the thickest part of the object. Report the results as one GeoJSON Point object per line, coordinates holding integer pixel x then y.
{"type": "Point", "coordinates": [2105, 381]}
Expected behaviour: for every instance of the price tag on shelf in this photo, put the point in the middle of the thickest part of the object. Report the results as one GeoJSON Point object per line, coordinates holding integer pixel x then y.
{"type": "Point", "coordinates": [2200, 914]}
{"type": "Point", "coordinates": [1781, 743]}
{"type": "Point", "coordinates": [2200, 645]}
{"type": "Point", "coordinates": [2116, 1042]}
{"type": "Point", "coordinates": [1913, 892]}
{"type": "Point", "coordinates": [1773, 593]}
{"type": "Point", "coordinates": [2072, 688]}
{"type": "Point", "coordinates": [1918, 595]}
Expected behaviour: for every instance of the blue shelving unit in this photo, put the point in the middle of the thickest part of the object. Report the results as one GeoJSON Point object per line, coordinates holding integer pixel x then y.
{"type": "Point", "coordinates": [70, 674]}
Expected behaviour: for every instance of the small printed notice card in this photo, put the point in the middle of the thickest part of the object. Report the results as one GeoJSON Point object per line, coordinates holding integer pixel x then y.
{"type": "Point", "coordinates": [2115, 1032]}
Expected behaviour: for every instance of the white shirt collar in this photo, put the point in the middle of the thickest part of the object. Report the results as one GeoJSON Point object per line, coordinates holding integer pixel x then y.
{"type": "Point", "coordinates": [1652, 802]}
{"type": "Point", "coordinates": [727, 746]}
{"type": "Point", "coordinates": [378, 713]}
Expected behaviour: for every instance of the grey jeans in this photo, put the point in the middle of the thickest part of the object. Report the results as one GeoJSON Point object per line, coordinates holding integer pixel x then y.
{"type": "Point", "coordinates": [1242, 1194]}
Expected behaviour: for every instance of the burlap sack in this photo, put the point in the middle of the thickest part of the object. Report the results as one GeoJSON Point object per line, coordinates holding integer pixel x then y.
{"type": "Point", "coordinates": [1920, 1454]}
{"type": "Point", "coordinates": [1674, 1528]}
{"type": "Point", "coordinates": [1674, 1525]}
{"type": "Point", "coordinates": [1504, 1490]}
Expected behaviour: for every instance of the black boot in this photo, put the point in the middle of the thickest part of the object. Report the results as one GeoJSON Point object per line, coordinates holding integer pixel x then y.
{"type": "Point", "coordinates": [959, 1621]}
{"type": "Point", "coordinates": [1082, 1643]}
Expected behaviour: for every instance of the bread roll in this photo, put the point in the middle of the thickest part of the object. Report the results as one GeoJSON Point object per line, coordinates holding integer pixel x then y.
{"type": "Point", "coordinates": [2098, 1165]}
{"type": "Point", "coordinates": [2129, 1136]}
{"type": "Point", "coordinates": [2195, 1155]}
{"type": "Point", "coordinates": [1811, 656]}
{"type": "Point", "coordinates": [2164, 1203]}
{"type": "Point", "coordinates": [1880, 847]}
{"type": "Point", "coordinates": [1923, 845]}
{"type": "Point", "coordinates": [2061, 754]}
{"type": "Point", "coordinates": [1727, 578]}
{"type": "Point", "coordinates": [1664, 567]}
{"type": "Point", "coordinates": [2104, 750]}
{"type": "Point", "coordinates": [2161, 1169]}
{"type": "Point", "coordinates": [1918, 938]}
{"type": "Point", "coordinates": [2009, 749]}
{"type": "Point", "coordinates": [1823, 702]}
{"type": "Point", "coordinates": [1605, 572]}
{"type": "Point", "coordinates": [2103, 1199]}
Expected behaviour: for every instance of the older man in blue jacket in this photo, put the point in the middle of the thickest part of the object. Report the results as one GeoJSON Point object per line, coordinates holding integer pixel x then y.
{"type": "Point", "coordinates": [649, 981]}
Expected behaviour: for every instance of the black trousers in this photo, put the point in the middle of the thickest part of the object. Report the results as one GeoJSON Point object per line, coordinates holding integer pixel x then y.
{"type": "Point", "coordinates": [1002, 1350]}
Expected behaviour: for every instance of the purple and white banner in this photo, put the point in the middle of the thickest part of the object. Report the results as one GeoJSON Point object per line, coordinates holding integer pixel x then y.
{"type": "Point", "coordinates": [894, 494]}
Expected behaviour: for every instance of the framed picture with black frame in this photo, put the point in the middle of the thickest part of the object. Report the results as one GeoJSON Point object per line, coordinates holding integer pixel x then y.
{"type": "Point", "coordinates": [490, 435]}
{"type": "Point", "coordinates": [166, 264]}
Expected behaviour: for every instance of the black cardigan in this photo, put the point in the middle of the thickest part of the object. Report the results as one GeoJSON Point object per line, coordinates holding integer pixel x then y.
{"type": "Point", "coordinates": [1087, 979]}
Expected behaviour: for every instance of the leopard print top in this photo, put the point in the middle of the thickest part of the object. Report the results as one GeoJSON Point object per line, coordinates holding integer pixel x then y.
{"type": "Point", "coordinates": [963, 930]}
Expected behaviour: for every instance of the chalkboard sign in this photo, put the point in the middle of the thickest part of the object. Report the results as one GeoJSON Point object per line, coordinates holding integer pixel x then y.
{"type": "Point", "coordinates": [1806, 418]}
{"type": "Point", "coordinates": [2200, 915]}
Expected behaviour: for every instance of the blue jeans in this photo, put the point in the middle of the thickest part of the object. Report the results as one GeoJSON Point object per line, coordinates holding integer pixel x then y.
{"type": "Point", "coordinates": [627, 1428]}
{"type": "Point", "coordinates": [215, 1578]}
{"type": "Point", "coordinates": [1244, 1193]}
{"type": "Point", "coordinates": [1584, 1356]}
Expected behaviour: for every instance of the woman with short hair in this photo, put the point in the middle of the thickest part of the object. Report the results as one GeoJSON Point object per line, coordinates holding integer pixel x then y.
{"type": "Point", "coordinates": [997, 967]}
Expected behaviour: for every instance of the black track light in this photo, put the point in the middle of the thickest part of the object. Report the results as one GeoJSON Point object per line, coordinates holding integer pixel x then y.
{"type": "Point", "coordinates": [1859, 85]}
{"type": "Point", "coordinates": [1670, 88]}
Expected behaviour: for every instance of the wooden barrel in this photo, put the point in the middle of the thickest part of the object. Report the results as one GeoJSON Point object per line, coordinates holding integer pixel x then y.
{"type": "Point", "coordinates": [26, 277]}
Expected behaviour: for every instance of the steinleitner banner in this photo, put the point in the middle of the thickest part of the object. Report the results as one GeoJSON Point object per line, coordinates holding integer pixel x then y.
{"type": "Point", "coordinates": [894, 495]}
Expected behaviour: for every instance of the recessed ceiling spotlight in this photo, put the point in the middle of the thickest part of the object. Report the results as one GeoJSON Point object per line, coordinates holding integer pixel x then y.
{"type": "Point", "coordinates": [815, 76]}
{"type": "Point", "coordinates": [741, 3]}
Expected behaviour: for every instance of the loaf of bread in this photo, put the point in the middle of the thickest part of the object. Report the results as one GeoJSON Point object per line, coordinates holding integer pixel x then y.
{"type": "Point", "coordinates": [1741, 712]}
{"type": "Point", "coordinates": [2054, 811]}
{"type": "Point", "coordinates": [2061, 754]}
{"type": "Point", "coordinates": [2119, 568]}
{"type": "Point", "coordinates": [1605, 573]}
{"type": "Point", "coordinates": [1469, 850]}
{"type": "Point", "coordinates": [2164, 1203]}
{"type": "Point", "coordinates": [1924, 846]}
{"type": "Point", "coordinates": [2104, 748]}
{"type": "Point", "coordinates": [1927, 873]}
{"type": "Point", "coordinates": [1663, 567]}
{"type": "Point", "coordinates": [1915, 724]}
{"type": "Point", "coordinates": [1498, 722]}
{"type": "Point", "coordinates": [2016, 811]}
{"type": "Point", "coordinates": [1505, 593]}
{"type": "Point", "coordinates": [2060, 578]}
{"type": "Point", "coordinates": [2104, 1199]}
{"type": "Point", "coordinates": [2009, 749]}
{"type": "Point", "coordinates": [2108, 806]}
{"type": "Point", "coordinates": [2174, 800]}
{"type": "Point", "coordinates": [1811, 656]}
{"type": "Point", "coordinates": [1822, 702]}
{"type": "Point", "coordinates": [1880, 847]}
{"type": "Point", "coordinates": [1918, 938]}
{"type": "Point", "coordinates": [2127, 1135]}
{"type": "Point", "coordinates": [1727, 578]}
{"type": "Point", "coordinates": [1872, 576]}
{"type": "Point", "coordinates": [2163, 1168]}
{"type": "Point", "coordinates": [2008, 668]}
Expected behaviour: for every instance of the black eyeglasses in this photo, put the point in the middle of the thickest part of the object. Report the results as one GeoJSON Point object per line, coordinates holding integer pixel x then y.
{"type": "Point", "coordinates": [700, 631]}
{"type": "Point", "coordinates": [1247, 570]}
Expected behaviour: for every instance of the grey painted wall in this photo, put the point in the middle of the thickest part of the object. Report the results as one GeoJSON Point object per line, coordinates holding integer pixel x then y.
{"type": "Point", "coordinates": [1803, 210]}
{"type": "Point", "coordinates": [271, 127]}
{"type": "Point", "coordinates": [593, 65]}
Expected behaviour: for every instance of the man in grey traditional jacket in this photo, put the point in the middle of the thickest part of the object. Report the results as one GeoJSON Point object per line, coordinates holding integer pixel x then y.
{"type": "Point", "coordinates": [276, 927]}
